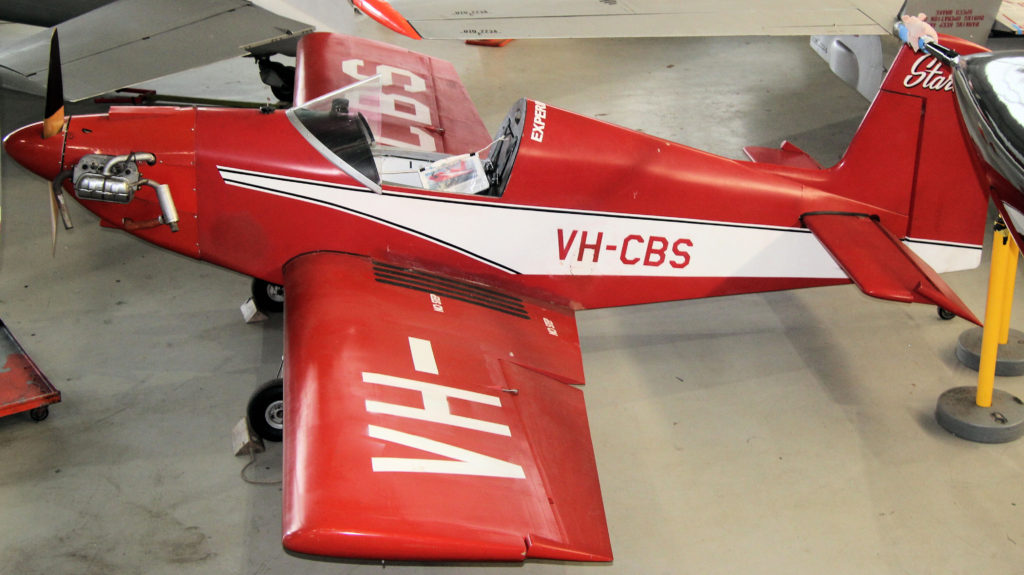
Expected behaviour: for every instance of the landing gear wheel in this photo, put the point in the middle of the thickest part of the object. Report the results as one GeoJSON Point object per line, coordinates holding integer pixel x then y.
{"type": "Point", "coordinates": [946, 314]}
{"type": "Point", "coordinates": [39, 413]}
{"type": "Point", "coordinates": [266, 410]}
{"type": "Point", "coordinates": [268, 297]}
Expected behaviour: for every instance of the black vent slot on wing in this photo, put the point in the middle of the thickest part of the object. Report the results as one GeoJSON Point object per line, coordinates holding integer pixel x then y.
{"type": "Point", "coordinates": [454, 289]}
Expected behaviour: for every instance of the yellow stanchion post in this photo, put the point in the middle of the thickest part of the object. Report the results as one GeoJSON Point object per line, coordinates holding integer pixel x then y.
{"type": "Point", "coordinates": [1011, 278]}
{"type": "Point", "coordinates": [993, 318]}
{"type": "Point", "coordinates": [983, 413]}
{"type": "Point", "coordinates": [1010, 350]}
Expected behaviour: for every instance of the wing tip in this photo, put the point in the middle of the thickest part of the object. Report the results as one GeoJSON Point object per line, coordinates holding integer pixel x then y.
{"type": "Point", "coordinates": [597, 551]}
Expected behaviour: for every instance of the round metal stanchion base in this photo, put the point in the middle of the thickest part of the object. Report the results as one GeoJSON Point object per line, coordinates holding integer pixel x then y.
{"type": "Point", "coordinates": [958, 413]}
{"type": "Point", "coordinates": [1009, 360]}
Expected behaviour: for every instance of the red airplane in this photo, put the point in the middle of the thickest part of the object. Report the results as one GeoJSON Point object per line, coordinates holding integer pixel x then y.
{"type": "Point", "coordinates": [431, 349]}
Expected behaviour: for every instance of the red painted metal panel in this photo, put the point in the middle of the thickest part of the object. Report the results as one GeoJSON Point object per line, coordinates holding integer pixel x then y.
{"type": "Point", "coordinates": [571, 161]}
{"type": "Point", "coordinates": [428, 420]}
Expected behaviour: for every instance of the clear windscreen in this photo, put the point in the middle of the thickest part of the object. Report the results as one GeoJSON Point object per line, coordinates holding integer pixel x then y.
{"type": "Point", "coordinates": [343, 125]}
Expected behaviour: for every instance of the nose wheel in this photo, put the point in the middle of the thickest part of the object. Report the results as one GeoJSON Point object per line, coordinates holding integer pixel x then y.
{"type": "Point", "coordinates": [266, 410]}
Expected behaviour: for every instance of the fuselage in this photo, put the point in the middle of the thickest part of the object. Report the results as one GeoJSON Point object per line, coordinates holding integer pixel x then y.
{"type": "Point", "coordinates": [589, 215]}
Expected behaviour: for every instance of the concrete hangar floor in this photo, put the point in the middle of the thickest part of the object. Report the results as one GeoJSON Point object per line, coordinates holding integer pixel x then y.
{"type": "Point", "coordinates": [779, 433]}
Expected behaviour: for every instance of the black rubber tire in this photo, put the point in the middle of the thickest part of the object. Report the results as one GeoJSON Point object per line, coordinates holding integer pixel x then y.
{"type": "Point", "coordinates": [283, 93]}
{"type": "Point", "coordinates": [945, 314]}
{"type": "Point", "coordinates": [266, 411]}
{"type": "Point", "coordinates": [268, 297]}
{"type": "Point", "coordinates": [39, 413]}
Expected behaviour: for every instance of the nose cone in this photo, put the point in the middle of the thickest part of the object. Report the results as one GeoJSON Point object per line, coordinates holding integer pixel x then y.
{"type": "Point", "coordinates": [29, 149]}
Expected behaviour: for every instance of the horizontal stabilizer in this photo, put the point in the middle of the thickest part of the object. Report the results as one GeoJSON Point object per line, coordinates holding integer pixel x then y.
{"type": "Point", "coordinates": [880, 264]}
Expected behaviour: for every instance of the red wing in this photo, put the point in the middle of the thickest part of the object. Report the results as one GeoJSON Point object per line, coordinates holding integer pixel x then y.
{"type": "Point", "coordinates": [880, 264]}
{"type": "Point", "coordinates": [425, 105]}
{"type": "Point", "coordinates": [432, 419]}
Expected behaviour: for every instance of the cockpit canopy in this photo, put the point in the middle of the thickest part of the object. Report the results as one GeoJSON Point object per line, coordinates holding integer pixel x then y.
{"type": "Point", "coordinates": [344, 126]}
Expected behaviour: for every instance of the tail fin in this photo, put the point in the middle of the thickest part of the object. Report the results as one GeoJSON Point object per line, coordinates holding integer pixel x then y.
{"type": "Point", "coordinates": [912, 139]}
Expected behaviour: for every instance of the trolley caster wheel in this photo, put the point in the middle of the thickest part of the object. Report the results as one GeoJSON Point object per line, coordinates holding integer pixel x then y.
{"type": "Point", "coordinates": [39, 413]}
{"type": "Point", "coordinates": [945, 314]}
{"type": "Point", "coordinates": [268, 297]}
{"type": "Point", "coordinates": [266, 411]}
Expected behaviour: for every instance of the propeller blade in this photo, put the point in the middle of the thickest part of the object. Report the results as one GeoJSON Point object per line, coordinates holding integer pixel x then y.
{"type": "Point", "coordinates": [62, 207]}
{"type": "Point", "coordinates": [58, 205]}
{"type": "Point", "coordinates": [53, 221]}
{"type": "Point", "coordinates": [53, 117]}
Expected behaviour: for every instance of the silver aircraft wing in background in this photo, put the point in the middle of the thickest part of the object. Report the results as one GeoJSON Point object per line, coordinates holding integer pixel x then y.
{"type": "Point", "coordinates": [501, 19]}
{"type": "Point", "coordinates": [129, 41]}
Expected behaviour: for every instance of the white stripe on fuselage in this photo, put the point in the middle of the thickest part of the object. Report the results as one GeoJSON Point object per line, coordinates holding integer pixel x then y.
{"type": "Point", "coordinates": [547, 241]}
